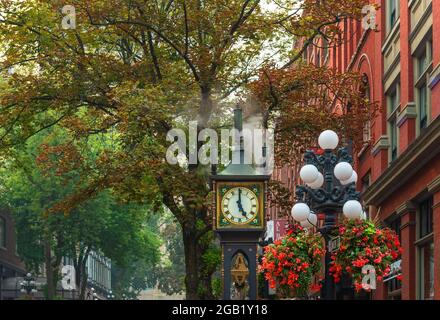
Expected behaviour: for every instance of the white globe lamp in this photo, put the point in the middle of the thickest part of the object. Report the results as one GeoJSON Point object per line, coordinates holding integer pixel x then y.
{"type": "Point", "coordinates": [310, 222]}
{"type": "Point", "coordinates": [300, 212]}
{"type": "Point", "coordinates": [352, 209]}
{"type": "Point", "coordinates": [328, 139]}
{"type": "Point", "coordinates": [318, 182]}
{"type": "Point", "coordinates": [309, 173]}
{"type": "Point", "coordinates": [343, 171]}
{"type": "Point", "coordinates": [353, 178]}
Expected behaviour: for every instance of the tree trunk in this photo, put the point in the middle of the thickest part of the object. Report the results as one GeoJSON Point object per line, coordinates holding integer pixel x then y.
{"type": "Point", "coordinates": [206, 106]}
{"type": "Point", "coordinates": [49, 269]}
{"type": "Point", "coordinates": [191, 264]}
{"type": "Point", "coordinates": [83, 279]}
{"type": "Point", "coordinates": [197, 284]}
{"type": "Point", "coordinates": [206, 284]}
{"type": "Point", "coordinates": [81, 273]}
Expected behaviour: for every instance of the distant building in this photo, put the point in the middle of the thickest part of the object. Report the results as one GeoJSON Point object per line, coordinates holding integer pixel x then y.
{"type": "Point", "coordinates": [10, 265]}
{"type": "Point", "coordinates": [12, 269]}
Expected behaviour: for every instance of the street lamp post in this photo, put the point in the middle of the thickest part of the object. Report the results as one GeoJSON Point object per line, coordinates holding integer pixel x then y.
{"type": "Point", "coordinates": [28, 285]}
{"type": "Point", "coordinates": [330, 185]}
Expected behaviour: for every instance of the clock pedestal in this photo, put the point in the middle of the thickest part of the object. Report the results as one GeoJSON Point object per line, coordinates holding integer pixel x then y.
{"type": "Point", "coordinates": [239, 265]}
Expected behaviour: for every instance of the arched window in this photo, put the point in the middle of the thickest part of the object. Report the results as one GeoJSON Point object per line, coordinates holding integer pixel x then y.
{"type": "Point", "coordinates": [366, 93]}
{"type": "Point", "coordinates": [2, 232]}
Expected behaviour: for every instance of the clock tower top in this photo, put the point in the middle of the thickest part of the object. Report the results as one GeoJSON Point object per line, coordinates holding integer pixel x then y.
{"type": "Point", "coordinates": [239, 171]}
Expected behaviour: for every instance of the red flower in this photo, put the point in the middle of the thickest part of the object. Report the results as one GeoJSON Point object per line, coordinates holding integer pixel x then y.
{"type": "Point", "coordinates": [360, 262]}
{"type": "Point", "coordinates": [358, 286]}
{"type": "Point", "coordinates": [315, 287]}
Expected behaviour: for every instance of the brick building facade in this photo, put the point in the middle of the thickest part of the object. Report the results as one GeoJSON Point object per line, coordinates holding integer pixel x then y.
{"type": "Point", "coordinates": [399, 166]}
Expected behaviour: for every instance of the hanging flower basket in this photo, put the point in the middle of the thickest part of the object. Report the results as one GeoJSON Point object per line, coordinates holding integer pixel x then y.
{"type": "Point", "coordinates": [291, 262]}
{"type": "Point", "coordinates": [363, 243]}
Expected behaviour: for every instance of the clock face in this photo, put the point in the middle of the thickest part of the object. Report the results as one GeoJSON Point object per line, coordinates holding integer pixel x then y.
{"type": "Point", "coordinates": [239, 205]}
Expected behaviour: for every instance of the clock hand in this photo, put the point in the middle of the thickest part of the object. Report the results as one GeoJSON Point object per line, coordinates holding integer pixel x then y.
{"type": "Point", "coordinates": [240, 206]}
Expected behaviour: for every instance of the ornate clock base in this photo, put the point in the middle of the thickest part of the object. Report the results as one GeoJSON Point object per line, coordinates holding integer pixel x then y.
{"type": "Point", "coordinates": [239, 265]}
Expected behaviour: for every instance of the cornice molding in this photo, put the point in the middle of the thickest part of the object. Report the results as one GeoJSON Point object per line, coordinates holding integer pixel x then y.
{"type": "Point", "coordinates": [405, 207]}
{"type": "Point", "coordinates": [381, 144]}
{"type": "Point", "coordinates": [423, 19]}
{"type": "Point", "coordinates": [401, 170]}
{"type": "Point", "coordinates": [391, 35]}
{"type": "Point", "coordinates": [434, 185]}
{"type": "Point", "coordinates": [434, 77]}
{"type": "Point", "coordinates": [408, 112]}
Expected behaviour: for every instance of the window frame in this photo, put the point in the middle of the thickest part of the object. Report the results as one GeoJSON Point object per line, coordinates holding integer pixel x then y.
{"type": "Point", "coordinates": [424, 239]}
{"type": "Point", "coordinates": [422, 77]}
{"type": "Point", "coordinates": [393, 105]}
{"type": "Point", "coordinates": [394, 286]}
{"type": "Point", "coordinates": [392, 14]}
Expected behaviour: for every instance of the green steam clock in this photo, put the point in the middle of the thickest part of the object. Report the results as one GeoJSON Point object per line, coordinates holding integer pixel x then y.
{"type": "Point", "coordinates": [239, 221]}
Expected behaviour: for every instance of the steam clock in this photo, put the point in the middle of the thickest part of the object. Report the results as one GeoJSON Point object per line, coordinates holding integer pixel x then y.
{"type": "Point", "coordinates": [239, 221]}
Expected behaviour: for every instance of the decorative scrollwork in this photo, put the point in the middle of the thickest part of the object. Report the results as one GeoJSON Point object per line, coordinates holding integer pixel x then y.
{"type": "Point", "coordinates": [318, 196]}
{"type": "Point", "coordinates": [332, 192]}
{"type": "Point", "coordinates": [311, 158]}
{"type": "Point", "coordinates": [351, 193]}
{"type": "Point", "coordinates": [344, 155]}
{"type": "Point", "coordinates": [300, 193]}
{"type": "Point", "coordinates": [337, 194]}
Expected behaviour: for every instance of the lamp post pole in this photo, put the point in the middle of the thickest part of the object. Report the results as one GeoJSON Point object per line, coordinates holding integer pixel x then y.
{"type": "Point", "coordinates": [330, 187]}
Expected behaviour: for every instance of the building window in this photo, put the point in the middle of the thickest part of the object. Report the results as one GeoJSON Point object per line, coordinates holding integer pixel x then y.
{"type": "Point", "coordinates": [393, 12]}
{"type": "Point", "coordinates": [425, 250]}
{"type": "Point", "coordinates": [2, 232]}
{"type": "Point", "coordinates": [423, 68]}
{"type": "Point", "coordinates": [394, 285]}
{"type": "Point", "coordinates": [425, 218]}
{"type": "Point", "coordinates": [393, 106]}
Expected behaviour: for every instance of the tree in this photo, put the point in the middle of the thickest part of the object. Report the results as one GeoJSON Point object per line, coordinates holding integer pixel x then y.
{"type": "Point", "coordinates": [169, 275]}
{"type": "Point", "coordinates": [140, 68]}
{"type": "Point", "coordinates": [101, 224]}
